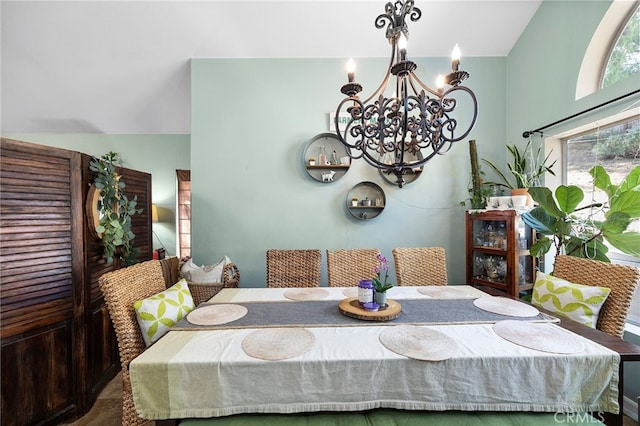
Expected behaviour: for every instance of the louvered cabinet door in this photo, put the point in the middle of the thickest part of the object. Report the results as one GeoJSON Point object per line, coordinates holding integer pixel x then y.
{"type": "Point", "coordinates": [41, 287]}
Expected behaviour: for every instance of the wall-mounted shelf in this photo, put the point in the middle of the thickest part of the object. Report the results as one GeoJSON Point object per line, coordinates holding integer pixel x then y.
{"type": "Point", "coordinates": [329, 167]}
{"type": "Point", "coordinates": [335, 165]}
{"type": "Point", "coordinates": [370, 200]}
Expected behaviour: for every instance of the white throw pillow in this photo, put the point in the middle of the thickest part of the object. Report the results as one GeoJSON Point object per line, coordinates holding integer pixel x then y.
{"type": "Point", "coordinates": [209, 274]}
{"type": "Point", "coordinates": [186, 269]}
{"type": "Point", "coordinates": [581, 303]}
{"type": "Point", "coordinates": [158, 313]}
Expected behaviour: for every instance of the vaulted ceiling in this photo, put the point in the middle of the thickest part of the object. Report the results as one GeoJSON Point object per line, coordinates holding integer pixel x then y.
{"type": "Point", "coordinates": [123, 67]}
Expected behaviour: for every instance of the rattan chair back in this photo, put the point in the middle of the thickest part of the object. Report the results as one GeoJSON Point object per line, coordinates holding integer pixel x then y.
{"type": "Point", "coordinates": [346, 267]}
{"type": "Point", "coordinates": [170, 270]}
{"type": "Point", "coordinates": [420, 266]}
{"type": "Point", "coordinates": [121, 289]}
{"type": "Point", "coordinates": [621, 279]}
{"type": "Point", "coordinates": [293, 268]}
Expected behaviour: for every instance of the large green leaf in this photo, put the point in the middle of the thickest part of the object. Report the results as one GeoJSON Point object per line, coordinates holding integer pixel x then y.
{"type": "Point", "coordinates": [592, 249]}
{"type": "Point", "coordinates": [632, 182]}
{"type": "Point", "coordinates": [540, 220]}
{"type": "Point", "coordinates": [627, 202]}
{"type": "Point", "coordinates": [602, 181]}
{"type": "Point", "coordinates": [540, 247]}
{"type": "Point", "coordinates": [626, 242]}
{"type": "Point", "coordinates": [569, 197]}
{"type": "Point", "coordinates": [616, 223]}
{"type": "Point", "coordinates": [544, 197]}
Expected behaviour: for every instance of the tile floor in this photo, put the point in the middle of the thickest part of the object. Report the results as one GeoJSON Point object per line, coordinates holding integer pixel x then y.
{"type": "Point", "coordinates": [107, 411]}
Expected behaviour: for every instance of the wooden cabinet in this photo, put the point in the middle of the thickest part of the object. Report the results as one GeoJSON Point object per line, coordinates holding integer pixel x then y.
{"type": "Point", "coordinates": [58, 348]}
{"type": "Point", "coordinates": [497, 243]}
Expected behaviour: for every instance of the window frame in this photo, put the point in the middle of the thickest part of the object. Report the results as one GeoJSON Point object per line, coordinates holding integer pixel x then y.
{"type": "Point", "coordinates": [183, 213]}
{"type": "Point", "coordinates": [557, 147]}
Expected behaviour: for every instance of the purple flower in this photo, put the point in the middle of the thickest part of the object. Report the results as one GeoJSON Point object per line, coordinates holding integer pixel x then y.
{"type": "Point", "coordinates": [382, 266]}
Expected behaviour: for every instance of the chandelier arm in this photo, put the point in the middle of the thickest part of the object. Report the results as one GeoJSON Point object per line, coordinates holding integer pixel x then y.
{"type": "Point", "coordinates": [343, 134]}
{"type": "Point", "coordinates": [415, 79]}
{"type": "Point", "coordinates": [453, 121]}
{"type": "Point", "coordinates": [385, 80]}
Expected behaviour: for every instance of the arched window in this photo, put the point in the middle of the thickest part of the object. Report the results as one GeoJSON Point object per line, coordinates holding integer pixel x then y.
{"type": "Point", "coordinates": [616, 39]}
{"type": "Point", "coordinates": [624, 58]}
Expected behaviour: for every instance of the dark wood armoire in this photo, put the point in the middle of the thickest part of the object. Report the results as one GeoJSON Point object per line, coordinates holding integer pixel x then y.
{"type": "Point", "coordinates": [58, 348]}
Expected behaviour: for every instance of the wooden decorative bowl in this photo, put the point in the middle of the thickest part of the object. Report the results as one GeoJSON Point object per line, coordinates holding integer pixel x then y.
{"type": "Point", "coordinates": [351, 308]}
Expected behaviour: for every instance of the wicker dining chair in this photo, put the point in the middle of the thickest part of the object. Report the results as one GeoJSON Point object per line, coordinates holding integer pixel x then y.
{"type": "Point", "coordinates": [202, 292]}
{"type": "Point", "coordinates": [121, 288]}
{"type": "Point", "coordinates": [621, 279]}
{"type": "Point", "coordinates": [293, 268]}
{"type": "Point", "coordinates": [346, 267]}
{"type": "Point", "coordinates": [420, 265]}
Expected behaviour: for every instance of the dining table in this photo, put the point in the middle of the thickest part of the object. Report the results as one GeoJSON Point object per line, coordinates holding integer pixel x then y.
{"type": "Point", "coordinates": [306, 350]}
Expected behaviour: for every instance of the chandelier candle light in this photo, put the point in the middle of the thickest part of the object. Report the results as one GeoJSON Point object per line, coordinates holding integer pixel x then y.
{"type": "Point", "coordinates": [400, 133]}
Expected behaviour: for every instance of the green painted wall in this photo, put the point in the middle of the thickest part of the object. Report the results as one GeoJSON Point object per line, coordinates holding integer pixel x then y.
{"type": "Point", "coordinates": [251, 119]}
{"type": "Point", "coordinates": [159, 155]}
{"type": "Point", "coordinates": [542, 71]}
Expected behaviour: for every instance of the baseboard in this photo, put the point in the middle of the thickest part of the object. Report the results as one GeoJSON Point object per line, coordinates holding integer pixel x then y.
{"type": "Point", "coordinates": [630, 408]}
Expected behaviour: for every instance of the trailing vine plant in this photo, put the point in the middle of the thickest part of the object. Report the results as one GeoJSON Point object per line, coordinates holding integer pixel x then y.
{"type": "Point", "coordinates": [115, 211]}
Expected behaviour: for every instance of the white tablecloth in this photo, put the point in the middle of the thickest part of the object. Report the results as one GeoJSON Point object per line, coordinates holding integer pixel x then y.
{"type": "Point", "coordinates": [245, 295]}
{"type": "Point", "coordinates": [207, 374]}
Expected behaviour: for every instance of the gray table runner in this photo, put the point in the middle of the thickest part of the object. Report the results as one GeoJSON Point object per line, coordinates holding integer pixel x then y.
{"type": "Point", "coordinates": [325, 313]}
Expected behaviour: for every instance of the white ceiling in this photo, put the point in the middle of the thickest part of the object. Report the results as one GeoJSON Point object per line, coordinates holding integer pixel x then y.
{"type": "Point", "coordinates": [123, 67]}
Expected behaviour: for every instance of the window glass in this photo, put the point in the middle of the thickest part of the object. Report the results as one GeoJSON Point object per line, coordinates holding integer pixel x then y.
{"type": "Point", "coordinates": [624, 59]}
{"type": "Point", "coordinates": [617, 149]}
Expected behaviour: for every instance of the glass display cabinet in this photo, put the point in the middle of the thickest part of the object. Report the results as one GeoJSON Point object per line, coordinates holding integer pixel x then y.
{"type": "Point", "coordinates": [497, 243]}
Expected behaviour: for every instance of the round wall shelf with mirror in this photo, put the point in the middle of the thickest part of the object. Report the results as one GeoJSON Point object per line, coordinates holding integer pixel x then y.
{"type": "Point", "coordinates": [409, 177]}
{"type": "Point", "coordinates": [366, 200]}
{"type": "Point", "coordinates": [325, 158]}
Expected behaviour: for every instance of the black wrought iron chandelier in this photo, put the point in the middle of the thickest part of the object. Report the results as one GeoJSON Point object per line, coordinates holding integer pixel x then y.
{"type": "Point", "coordinates": [400, 133]}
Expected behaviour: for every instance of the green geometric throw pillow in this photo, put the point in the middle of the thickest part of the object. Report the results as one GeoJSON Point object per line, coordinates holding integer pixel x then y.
{"type": "Point", "coordinates": [158, 313]}
{"type": "Point", "coordinates": [578, 302]}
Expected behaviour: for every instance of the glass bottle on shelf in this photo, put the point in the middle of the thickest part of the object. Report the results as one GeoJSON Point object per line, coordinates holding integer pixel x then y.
{"type": "Point", "coordinates": [322, 156]}
{"type": "Point", "coordinates": [490, 238]}
{"type": "Point", "coordinates": [501, 239]}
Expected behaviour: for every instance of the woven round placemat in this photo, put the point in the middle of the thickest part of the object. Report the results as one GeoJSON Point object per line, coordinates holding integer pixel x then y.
{"type": "Point", "coordinates": [418, 342]}
{"type": "Point", "coordinates": [443, 292]}
{"type": "Point", "coordinates": [505, 306]}
{"type": "Point", "coordinates": [306, 294]}
{"type": "Point", "coordinates": [350, 291]}
{"type": "Point", "coordinates": [273, 344]}
{"type": "Point", "coordinates": [538, 336]}
{"type": "Point", "coordinates": [216, 314]}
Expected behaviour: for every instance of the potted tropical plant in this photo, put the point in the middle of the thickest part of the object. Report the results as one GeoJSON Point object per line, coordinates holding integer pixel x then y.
{"type": "Point", "coordinates": [556, 220]}
{"type": "Point", "coordinates": [526, 169]}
